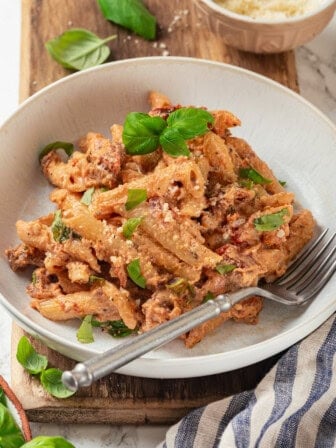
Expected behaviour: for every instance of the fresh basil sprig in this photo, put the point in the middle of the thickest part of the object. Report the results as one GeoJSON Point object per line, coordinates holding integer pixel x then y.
{"type": "Point", "coordinates": [143, 134]}
{"type": "Point", "coordinates": [66, 146]}
{"type": "Point", "coordinates": [3, 397]}
{"type": "Point", "coordinates": [78, 49]}
{"type": "Point", "coordinates": [29, 358]}
{"type": "Point", "coordinates": [225, 268]}
{"type": "Point", "coordinates": [254, 175]}
{"type": "Point", "coordinates": [132, 14]}
{"type": "Point", "coordinates": [135, 197]}
{"type": "Point", "coordinates": [134, 273]}
{"type": "Point", "coordinates": [272, 221]}
{"type": "Point", "coordinates": [36, 364]}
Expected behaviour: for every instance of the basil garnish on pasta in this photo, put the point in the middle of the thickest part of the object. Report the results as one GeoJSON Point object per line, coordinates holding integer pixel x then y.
{"type": "Point", "coordinates": [135, 197]}
{"type": "Point", "coordinates": [143, 134]}
{"type": "Point", "coordinates": [84, 333]}
{"type": "Point", "coordinates": [67, 147]}
{"type": "Point", "coordinates": [130, 226]}
{"type": "Point", "coordinates": [116, 328]}
{"type": "Point", "coordinates": [225, 268]}
{"type": "Point", "coordinates": [87, 196]}
{"type": "Point", "coordinates": [134, 273]}
{"type": "Point", "coordinates": [59, 230]}
{"type": "Point", "coordinates": [254, 176]}
{"type": "Point", "coordinates": [273, 221]}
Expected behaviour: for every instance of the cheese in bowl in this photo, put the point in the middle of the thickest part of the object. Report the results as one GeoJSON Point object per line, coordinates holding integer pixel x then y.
{"type": "Point", "coordinates": [269, 9]}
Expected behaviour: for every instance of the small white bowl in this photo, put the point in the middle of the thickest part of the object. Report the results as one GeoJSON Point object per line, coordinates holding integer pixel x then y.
{"type": "Point", "coordinates": [265, 35]}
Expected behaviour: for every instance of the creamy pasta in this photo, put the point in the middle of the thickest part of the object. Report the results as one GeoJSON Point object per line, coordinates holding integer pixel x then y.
{"type": "Point", "coordinates": [138, 239]}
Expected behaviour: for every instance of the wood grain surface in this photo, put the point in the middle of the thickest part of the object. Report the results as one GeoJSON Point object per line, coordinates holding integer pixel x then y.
{"type": "Point", "coordinates": [122, 399]}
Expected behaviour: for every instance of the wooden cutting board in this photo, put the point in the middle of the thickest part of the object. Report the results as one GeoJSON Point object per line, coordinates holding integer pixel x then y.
{"type": "Point", "coordinates": [123, 399]}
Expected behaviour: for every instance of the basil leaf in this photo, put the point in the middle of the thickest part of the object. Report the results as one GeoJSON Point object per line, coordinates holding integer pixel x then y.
{"type": "Point", "coordinates": [10, 434]}
{"type": "Point", "coordinates": [84, 333]}
{"type": "Point", "coordinates": [273, 221]}
{"type": "Point", "coordinates": [141, 133]}
{"type": "Point", "coordinates": [131, 14]}
{"type": "Point", "coordinates": [87, 196]}
{"type": "Point", "coordinates": [67, 147]}
{"type": "Point", "coordinates": [48, 442]}
{"type": "Point", "coordinates": [225, 268]}
{"type": "Point", "coordinates": [29, 358]}
{"type": "Point", "coordinates": [59, 230]}
{"type": "Point", "coordinates": [190, 122]}
{"type": "Point", "coordinates": [208, 296]}
{"type": "Point", "coordinates": [78, 49]}
{"type": "Point", "coordinates": [283, 183]}
{"type": "Point", "coordinates": [173, 143]}
{"type": "Point", "coordinates": [3, 397]}
{"type": "Point", "coordinates": [51, 380]}
{"type": "Point", "coordinates": [134, 273]}
{"type": "Point", "coordinates": [135, 197]}
{"type": "Point", "coordinates": [130, 226]}
{"type": "Point", "coordinates": [252, 174]}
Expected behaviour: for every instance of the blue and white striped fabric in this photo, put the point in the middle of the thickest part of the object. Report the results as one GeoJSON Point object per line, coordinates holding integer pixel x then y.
{"type": "Point", "coordinates": [294, 406]}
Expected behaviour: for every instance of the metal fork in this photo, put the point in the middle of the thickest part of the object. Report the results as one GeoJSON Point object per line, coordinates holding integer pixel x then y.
{"type": "Point", "coordinates": [304, 279]}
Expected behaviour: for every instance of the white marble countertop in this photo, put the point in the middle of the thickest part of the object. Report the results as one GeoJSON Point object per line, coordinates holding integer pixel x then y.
{"type": "Point", "coordinates": [316, 64]}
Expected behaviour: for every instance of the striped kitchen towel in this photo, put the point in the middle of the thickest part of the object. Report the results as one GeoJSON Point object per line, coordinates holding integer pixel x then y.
{"type": "Point", "coordinates": [294, 406]}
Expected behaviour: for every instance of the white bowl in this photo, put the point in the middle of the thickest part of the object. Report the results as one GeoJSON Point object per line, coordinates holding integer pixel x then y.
{"type": "Point", "coordinates": [289, 133]}
{"type": "Point", "coordinates": [265, 35]}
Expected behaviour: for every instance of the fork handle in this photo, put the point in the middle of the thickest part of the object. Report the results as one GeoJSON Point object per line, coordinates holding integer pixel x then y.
{"type": "Point", "coordinates": [84, 374]}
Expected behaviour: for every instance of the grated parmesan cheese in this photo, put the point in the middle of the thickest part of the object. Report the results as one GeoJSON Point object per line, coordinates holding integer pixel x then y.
{"type": "Point", "coordinates": [268, 9]}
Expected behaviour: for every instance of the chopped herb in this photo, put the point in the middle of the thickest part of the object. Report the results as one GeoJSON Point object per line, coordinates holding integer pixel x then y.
{"type": "Point", "coordinates": [130, 226]}
{"type": "Point", "coordinates": [225, 268]}
{"type": "Point", "coordinates": [95, 279]}
{"type": "Point", "coordinates": [84, 333]}
{"type": "Point", "coordinates": [247, 183]}
{"type": "Point", "coordinates": [103, 189]}
{"type": "Point", "coordinates": [208, 296]}
{"type": "Point", "coordinates": [67, 147]}
{"type": "Point", "coordinates": [115, 328]}
{"type": "Point", "coordinates": [34, 278]}
{"type": "Point", "coordinates": [87, 196]}
{"type": "Point", "coordinates": [283, 183]}
{"type": "Point", "coordinates": [252, 174]}
{"type": "Point", "coordinates": [134, 273]}
{"type": "Point", "coordinates": [3, 399]}
{"type": "Point", "coordinates": [135, 197]}
{"type": "Point", "coordinates": [273, 221]}
{"type": "Point", "coordinates": [59, 230]}
{"type": "Point", "coordinates": [180, 286]}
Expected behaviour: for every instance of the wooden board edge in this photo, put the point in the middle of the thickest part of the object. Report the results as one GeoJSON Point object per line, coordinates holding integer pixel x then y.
{"type": "Point", "coordinates": [24, 86]}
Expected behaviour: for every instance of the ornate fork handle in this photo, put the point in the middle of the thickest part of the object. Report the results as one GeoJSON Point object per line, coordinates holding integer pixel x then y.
{"type": "Point", "coordinates": [84, 374]}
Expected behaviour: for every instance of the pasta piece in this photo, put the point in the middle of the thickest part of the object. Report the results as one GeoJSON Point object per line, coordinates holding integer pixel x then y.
{"type": "Point", "coordinates": [121, 300]}
{"type": "Point", "coordinates": [224, 120]}
{"type": "Point", "coordinates": [79, 305]}
{"type": "Point", "coordinates": [219, 158]}
{"type": "Point", "coordinates": [158, 100]}
{"type": "Point", "coordinates": [34, 234]}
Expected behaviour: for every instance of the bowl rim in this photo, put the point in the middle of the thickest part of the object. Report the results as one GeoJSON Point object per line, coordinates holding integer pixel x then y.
{"type": "Point", "coordinates": [247, 19]}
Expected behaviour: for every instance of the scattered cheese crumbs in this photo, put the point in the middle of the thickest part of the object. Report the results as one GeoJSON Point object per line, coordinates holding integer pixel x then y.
{"type": "Point", "coordinates": [168, 217]}
{"type": "Point", "coordinates": [165, 53]}
{"type": "Point", "coordinates": [162, 45]}
{"type": "Point", "coordinates": [165, 207]}
{"type": "Point", "coordinates": [281, 233]}
{"type": "Point", "coordinates": [197, 187]}
{"type": "Point", "coordinates": [129, 243]}
{"type": "Point", "coordinates": [119, 230]}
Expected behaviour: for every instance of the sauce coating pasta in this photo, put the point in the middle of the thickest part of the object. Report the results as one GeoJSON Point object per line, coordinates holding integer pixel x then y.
{"type": "Point", "coordinates": [141, 239]}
